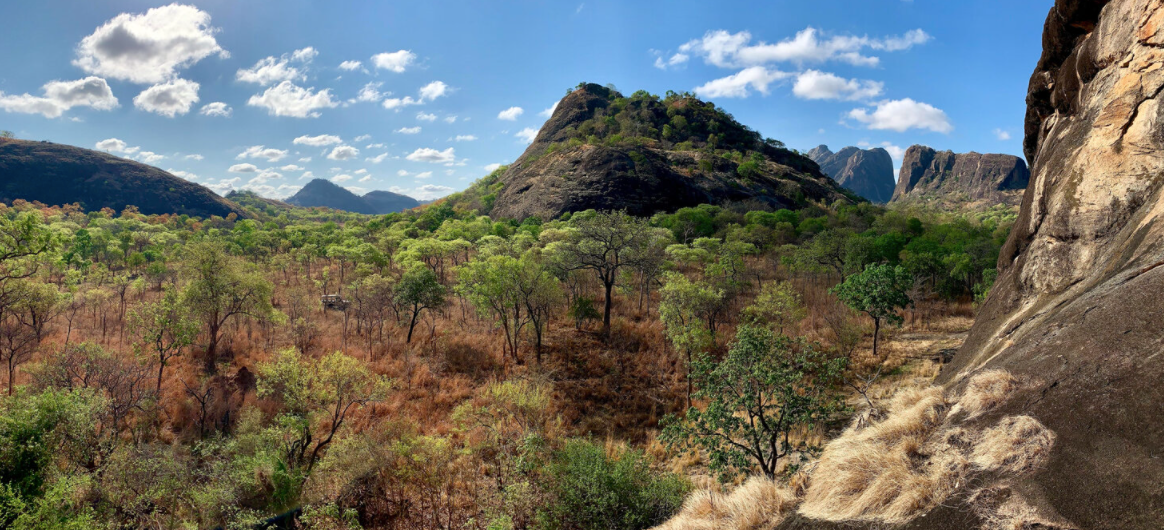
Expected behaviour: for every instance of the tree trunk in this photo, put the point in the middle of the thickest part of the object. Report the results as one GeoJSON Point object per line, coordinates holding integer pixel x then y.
{"type": "Point", "coordinates": [876, 335]}
{"type": "Point", "coordinates": [411, 326]}
{"type": "Point", "coordinates": [606, 311]}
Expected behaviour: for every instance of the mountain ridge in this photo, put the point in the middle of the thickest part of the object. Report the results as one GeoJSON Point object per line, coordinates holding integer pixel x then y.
{"type": "Point", "coordinates": [866, 172]}
{"type": "Point", "coordinates": [327, 194]}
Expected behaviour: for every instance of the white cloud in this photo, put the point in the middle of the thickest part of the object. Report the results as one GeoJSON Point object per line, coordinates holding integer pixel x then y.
{"type": "Point", "coordinates": [149, 47]}
{"type": "Point", "coordinates": [527, 134]}
{"type": "Point", "coordinates": [373, 146]}
{"type": "Point", "coordinates": [549, 111]}
{"type": "Point", "coordinates": [60, 96]}
{"type": "Point", "coordinates": [402, 173]}
{"type": "Point", "coordinates": [450, 119]}
{"type": "Point", "coordinates": [304, 55]}
{"type": "Point", "coordinates": [814, 84]}
{"type": "Point", "coordinates": [1001, 134]}
{"type": "Point", "coordinates": [363, 137]}
{"type": "Point", "coordinates": [224, 185]}
{"type": "Point", "coordinates": [370, 92]}
{"type": "Point", "coordinates": [184, 174]}
{"type": "Point", "coordinates": [397, 103]}
{"type": "Point", "coordinates": [270, 154]}
{"type": "Point", "coordinates": [365, 178]}
{"type": "Point", "coordinates": [424, 193]}
{"type": "Point", "coordinates": [510, 114]}
{"type": "Point", "coordinates": [264, 176]}
{"type": "Point", "coordinates": [168, 99]}
{"type": "Point", "coordinates": [291, 167]}
{"type": "Point", "coordinates": [361, 171]}
{"type": "Point", "coordinates": [903, 114]}
{"type": "Point", "coordinates": [896, 152]}
{"type": "Point", "coordinates": [243, 168]}
{"type": "Point", "coordinates": [350, 65]}
{"type": "Point", "coordinates": [113, 145]}
{"type": "Point", "coordinates": [194, 157]}
{"type": "Point", "coordinates": [423, 175]}
{"type": "Point", "coordinates": [737, 85]}
{"type": "Point", "coordinates": [433, 90]}
{"type": "Point", "coordinates": [341, 178]}
{"type": "Point", "coordinates": [289, 99]}
{"type": "Point", "coordinates": [305, 159]}
{"type": "Point", "coordinates": [676, 59]}
{"type": "Point", "coordinates": [426, 154]}
{"type": "Point", "coordinates": [734, 50]}
{"type": "Point", "coordinates": [492, 167]}
{"type": "Point", "coordinates": [149, 157]}
{"type": "Point", "coordinates": [306, 175]}
{"type": "Point", "coordinates": [408, 130]}
{"type": "Point", "coordinates": [317, 141]}
{"type": "Point", "coordinates": [465, 138]}
{"type": "Point", "coordinates": [343, 152]}
{"type": "Point", "coordinates": [396, 61]}
{"type": "Point", "coordinates": [270, 70]}
{"type": "Point", "coordinates": [216, 108]}
{"type": "Point", "coordinates": [377, 159]}
{"type": "Point", "coordinates": [424, 116]}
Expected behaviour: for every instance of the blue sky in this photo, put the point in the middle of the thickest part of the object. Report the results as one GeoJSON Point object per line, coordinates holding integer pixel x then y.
{"type": "Point", "coordinates": [423, 97]}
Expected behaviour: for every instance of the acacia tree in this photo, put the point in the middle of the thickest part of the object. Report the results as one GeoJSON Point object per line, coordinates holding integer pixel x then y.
{"type": "Point", "coordinates": [312, 390]}
{"type": "Point", "coordinates": [605, 242]}
{"type": "Point", "coordinates": [685, 310]}
{"type": "Point", "coordinates": [162, 329]}
{"type": "Point", "coordinates": [489, 285]}
{"type": "Point", "coordinates": [878, 291]}
{"type": "Point", "coordinates": [221, 287]}
{"type": "Point", "coordinates": [540, 292]}
{"type": "Point", "coordinates": [419, 290]}
{"type": "Point", "coordinates": [766, 388]}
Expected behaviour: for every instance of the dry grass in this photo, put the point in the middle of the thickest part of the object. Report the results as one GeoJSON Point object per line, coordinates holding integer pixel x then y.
{"type": "Point", "coordinates": [921, 453]}
{"type": "Point", "coordinates": [759, 503]}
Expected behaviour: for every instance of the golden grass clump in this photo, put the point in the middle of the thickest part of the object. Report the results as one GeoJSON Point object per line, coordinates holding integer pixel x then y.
{"type": "Point", "coordinates": [1016, 445]}
{"type": "Point", "coordinates": [985, 391]}
{"type": "Point", "coordinates": [757, 504]}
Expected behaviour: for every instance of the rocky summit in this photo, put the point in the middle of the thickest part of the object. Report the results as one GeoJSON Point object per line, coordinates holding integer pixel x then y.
{"type": "Point", "coordinates": [645, 154]}
{"type": "Point", "coordinates": [326, 194]}
{"type": "Point", "coordinates": [960, 178]}
{"type": "Point", "coordinates": [866, 172]}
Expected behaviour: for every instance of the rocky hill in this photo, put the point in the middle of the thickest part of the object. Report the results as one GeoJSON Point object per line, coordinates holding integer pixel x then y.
{"type": "Point", "coordinates": [57, 174]}
{"type": "Point", "coordinates": [963, 178]}
{"type": "Point", "coordinates": [866, 172]}
{"type": "Point", "coordinates": [324, 193]}
{"type": "Point", "coordinates": [646, 154]}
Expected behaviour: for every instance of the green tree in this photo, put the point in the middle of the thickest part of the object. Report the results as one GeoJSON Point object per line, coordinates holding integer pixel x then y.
{"type": "Point", "coordinates": [221, 287]}
{"type": "Point", "coordinates": [878, 291]}
{"type": "Point", "coordinates": [686, 310]}
{"type": "Point", "coordinates": [778, 306]}
{"type": "Point", "coordinates": [162, 329]}
{"type": "Point", "coordinates": [767, 388]}
{"type": "Point", "coordinates": [419, 290]}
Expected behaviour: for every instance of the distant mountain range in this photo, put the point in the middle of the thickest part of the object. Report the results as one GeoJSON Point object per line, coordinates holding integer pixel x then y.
{"type": "Point", "coordinates": [961, 178]}
{"type": "Point", "coordinates": [866, 172]}
{"type": "Point", "coordinates": [646, 154]}
{"type": "Point", "coordinates": [326, 194]}
{"type": "Point", "coordinates": [57, 174]}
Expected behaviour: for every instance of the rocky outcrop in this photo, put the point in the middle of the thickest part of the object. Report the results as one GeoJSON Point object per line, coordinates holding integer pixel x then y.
{"type": "Point", "coordinates": [866, 172]}
{"type": "Point", "coordinates": [972, 178]}
{"type": "Point", "coordinates": [603, 151]}
{"type": "Point", "coordinates": [326, 194]}
{"type": "Point", "coordinates": [58, 174]}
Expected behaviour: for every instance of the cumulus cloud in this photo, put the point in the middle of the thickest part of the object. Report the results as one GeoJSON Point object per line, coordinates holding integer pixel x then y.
{"type": "Point", "coordinates": [149, 157]}
{"type": "Point", "coordinates": [549, 111]}
{"type": "Point", "coordinates": [510, 114]}
{"type": "Point", "coordinates": [740, 84]}
{"type": "Point", "coordinates": [351, 65]}
{"type": "Point", "coordinates": [317, 141]}
{"type": "Point", "coordinates": [343, 152]}
{"type": "Point", "coordinates": [270, 70]}
{"type": "Point", "coordinates": [676, 60]}
{"type": "Point", "coordinates": [365, 178]}
{"type": "Point", "coordinates": [184, 174]}
{"type": "Point", "coordinates": [427, 154]}
{"type": "Point", "coordinates": [423, 175]}
{"type": "Point", "coordinates": [216, 108]}
{"type": "Point", "coordinates": [289, 99]}
{"type": "Point", "coordinates": [492, 167]}
{"type": "Point", "coordinates": [168, 99]}
{"type": "Point", "coordinates": [1001, 134]}
{"type": "Point", "coordinates": [224, 185]}
{"type": "Point", "coordinates": [810, 45]}
{"type": "Point", "coordinates": [114, 145]}
{"type": "Point", "coordinates": [377, 159]}
{"type": "Point", "coordinates": [193, 157]}
{"type": "Point", "coordinates": [450, 119]}
{"type": "Point", "coordinates": [307, 175]}
{"type": "Point", "coordinates": [408, 130]}
{"type": "Point", "coordinates": [397, 103]}
{"type": "Point", "coordinates": [60, 96]}
{"type": "Point", "coordinates": [896, 152]}
{"type": "Point", "coordinates": [527, 134]}
{"type": "Point", "coordinates": [433, 90]}
{"type": "Point", "coordinates": [814, 84]}
{"type": "Point", "coordinates": [341, 178]}
{"type": "Point", "coordinates": [465, 138]}
{"type": "Point", "coordinates": [363, 137]}
{"type": "Point", "coordinates": [270, 154]}
{"type": "Point", "coordinates": [291, 167]}
{"type": "Point", "coordinates": [426, 192]}
{"type": "Point", "coordinates": [150, 47]}
{"type": "Point", "coordinates": [901, 115]}
{"type": "Point", "coordinates": [243, 168]}
{"type": "Point", "coordinates": [370, 92]}
{"type": "Point", "coordinates": [396, 61]}
{"type": "Point", "coordinates": [424, 116]}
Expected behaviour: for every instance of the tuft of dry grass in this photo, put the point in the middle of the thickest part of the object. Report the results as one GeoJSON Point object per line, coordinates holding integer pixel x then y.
{"type": "Point", "coordinates": [758, 503]}
{"type": "Point", "coordinates": [985, 391]}
{"type": "Point", "coordinates": [1016, 445]}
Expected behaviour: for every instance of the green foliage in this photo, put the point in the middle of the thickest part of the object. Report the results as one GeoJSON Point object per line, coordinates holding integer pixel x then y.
{"type": "Point", "coordinates": [419, 290]}
{"type": "Point", "coordinates": [593, 490]}
{"type": "Point", "coordinates": [767, 389]}
{"type": "Point", "coordinates": [878, 291]}
{"type": "Point", "coordinates": [777, 307]}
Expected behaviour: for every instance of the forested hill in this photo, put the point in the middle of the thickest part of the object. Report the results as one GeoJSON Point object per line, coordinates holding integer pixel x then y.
{"type": "Point", "coordinates": [58, 174]}
{"type": "Point", "coordinates": [646, 154]}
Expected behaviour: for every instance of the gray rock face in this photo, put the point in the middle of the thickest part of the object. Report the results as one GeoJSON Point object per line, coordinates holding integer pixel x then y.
{"type": "Point", "coordinates": [866, 172]}
{"type": "Point", "coordinates": [962, 177]}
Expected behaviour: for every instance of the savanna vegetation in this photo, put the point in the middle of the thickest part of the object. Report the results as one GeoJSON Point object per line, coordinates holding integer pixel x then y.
{"type": "Point", "coordinates": [580, 373]}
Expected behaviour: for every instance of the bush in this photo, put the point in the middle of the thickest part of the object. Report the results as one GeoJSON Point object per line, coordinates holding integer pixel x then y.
{"type": "Point", "coordinates": [592, 490]}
